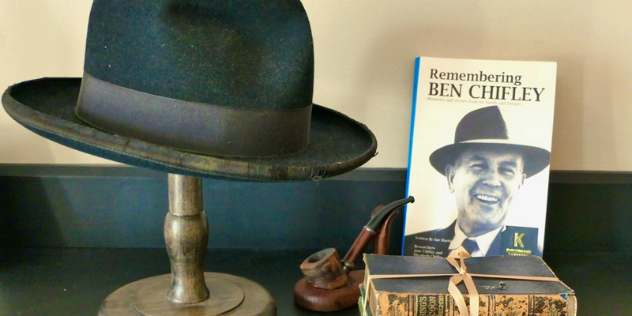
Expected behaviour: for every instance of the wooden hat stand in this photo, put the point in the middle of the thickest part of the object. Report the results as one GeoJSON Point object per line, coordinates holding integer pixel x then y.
{"type": "Point", "coordinates": [188, 290]}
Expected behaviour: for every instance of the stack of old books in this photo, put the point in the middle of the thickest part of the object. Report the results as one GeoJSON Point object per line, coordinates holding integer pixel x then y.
{"type": "Point", "coordinates": [506, 285]}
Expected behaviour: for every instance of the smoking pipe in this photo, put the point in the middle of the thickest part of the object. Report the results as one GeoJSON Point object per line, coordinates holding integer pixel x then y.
{"type": "Point", "coordinates": [331, 284]}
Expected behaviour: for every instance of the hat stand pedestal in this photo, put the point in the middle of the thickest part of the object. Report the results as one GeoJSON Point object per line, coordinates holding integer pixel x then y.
{"type": "Point", "coordinates": [188, 290]}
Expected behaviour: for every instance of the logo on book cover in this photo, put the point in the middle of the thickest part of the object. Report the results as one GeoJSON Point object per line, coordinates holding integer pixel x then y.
{"type": "Point", "coordinates": [519, 241]}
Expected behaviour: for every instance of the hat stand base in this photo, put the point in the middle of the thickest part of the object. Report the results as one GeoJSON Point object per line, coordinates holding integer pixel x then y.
{"type": "Point", "coordinates": [149, 297]}
{"type": "Point", "coordinates": [188, 290]}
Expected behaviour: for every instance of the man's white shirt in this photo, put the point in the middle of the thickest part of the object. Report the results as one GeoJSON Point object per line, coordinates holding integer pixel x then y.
{"type": "Point", "coordinates": [483, 241]}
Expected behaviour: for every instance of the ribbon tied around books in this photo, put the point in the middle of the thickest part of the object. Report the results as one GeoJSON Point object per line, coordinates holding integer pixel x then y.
{"type": "Point", "coordinates": [457, 260]}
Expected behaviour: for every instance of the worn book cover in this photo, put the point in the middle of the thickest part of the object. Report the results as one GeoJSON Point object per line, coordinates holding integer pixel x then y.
{"type": "Point", "coordinates": [361, 306]}
{"type": "Point", "coordinates": [480, 145]}
{"type": "Point", "coordinates": [422, 296]}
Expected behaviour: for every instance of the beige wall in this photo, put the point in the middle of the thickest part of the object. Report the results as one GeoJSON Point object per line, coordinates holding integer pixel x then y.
{"type": "Point", "coordinates": [365, 52]}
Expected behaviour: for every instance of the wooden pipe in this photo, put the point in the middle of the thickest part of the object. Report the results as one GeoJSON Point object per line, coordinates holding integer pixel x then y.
{"type": "Point", "coordinates": [368, 233]}
{"type": "Point", "coordinates": [329, 284]}
{"type": "Point", "coordinates": [324, 269]}
{"type": "Point", "coordinates": [382, 240]}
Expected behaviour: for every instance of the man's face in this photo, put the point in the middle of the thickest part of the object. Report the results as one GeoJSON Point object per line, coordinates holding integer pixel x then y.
{"type": "Point", "coordinates": [484, 183]}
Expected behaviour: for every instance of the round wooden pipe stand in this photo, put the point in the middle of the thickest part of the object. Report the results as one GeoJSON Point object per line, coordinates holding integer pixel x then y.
{"type": "Point", "coordinates": [188, 290]}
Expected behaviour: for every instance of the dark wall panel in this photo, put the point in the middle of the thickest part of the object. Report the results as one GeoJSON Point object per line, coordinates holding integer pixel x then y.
{"type": "Point", "coordinates": [121, 211]}
{"type": "Point", "coordinates": [121, 207]}
{"type": "Point", "coordinates": [589, 217]}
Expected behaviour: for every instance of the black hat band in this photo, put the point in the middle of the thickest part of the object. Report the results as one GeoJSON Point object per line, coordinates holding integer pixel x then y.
{"type": "Point", "coordinates": [191, 126]}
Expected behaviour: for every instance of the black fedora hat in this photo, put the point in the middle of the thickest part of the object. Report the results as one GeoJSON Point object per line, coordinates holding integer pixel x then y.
{"type": "Point", "coordinates": [487, 129]}
{"type": "Point", "coordinates": [205, 88]}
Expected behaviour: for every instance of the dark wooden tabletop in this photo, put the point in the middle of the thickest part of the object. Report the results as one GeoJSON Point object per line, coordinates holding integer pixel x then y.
{"type": "Point", "coordinates": [75, 281]}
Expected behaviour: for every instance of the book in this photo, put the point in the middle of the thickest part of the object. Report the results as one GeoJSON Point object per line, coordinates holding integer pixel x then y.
{"type": "Point", "coordinates": [423, 296]}
{"type": "Point", "coordinates": [479, 155]}
{"type": "Point", "coordinates": [361, 299]}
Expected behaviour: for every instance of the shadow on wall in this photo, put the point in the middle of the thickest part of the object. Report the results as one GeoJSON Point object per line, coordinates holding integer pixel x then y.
{"type": "Point", "coordinates": [19, 145]}
{"type": "Point", "coordinates": [297, 215]}
{"type": "Point", "coordinates": [129, 212]}
{"type": "Point", "coordinates": [38, 40]}
{"type": "Point", "coordinates": [372, 48]}
{"type": "Point", "coordinates": [27, 218]}
{"type": "Point", "coordinates": [111, 212]}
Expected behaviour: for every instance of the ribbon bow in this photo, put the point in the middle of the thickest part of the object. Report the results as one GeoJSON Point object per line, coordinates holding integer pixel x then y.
{"type": "Point", "coordinates": [464, 277]}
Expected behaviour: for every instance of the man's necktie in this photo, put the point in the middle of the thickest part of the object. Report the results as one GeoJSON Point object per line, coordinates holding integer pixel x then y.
{"type": "Point", "coordinates": [470, 245]}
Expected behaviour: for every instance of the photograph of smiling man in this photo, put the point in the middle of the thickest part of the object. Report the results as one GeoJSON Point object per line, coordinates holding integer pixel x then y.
{"type": "Point", "coordinates": [484, 186]}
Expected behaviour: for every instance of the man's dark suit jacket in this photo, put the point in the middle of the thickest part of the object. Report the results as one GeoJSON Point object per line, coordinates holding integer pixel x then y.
{"type": "Point", "coordinates": [435, 243]}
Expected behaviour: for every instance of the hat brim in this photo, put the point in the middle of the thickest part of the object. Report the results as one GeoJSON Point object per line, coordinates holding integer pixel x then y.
{"type": "Point", "coordinates": [535, 158]}
{"type": "Point", "coordinates": [337, 144]}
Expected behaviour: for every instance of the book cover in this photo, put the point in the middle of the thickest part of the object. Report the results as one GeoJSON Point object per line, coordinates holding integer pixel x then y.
{"type": "Point", "coordinates": [416, 296]}
{"type": "Point", "coordinates": [361, 306]}
{"type": "Point", "coordinates": [480, 144]}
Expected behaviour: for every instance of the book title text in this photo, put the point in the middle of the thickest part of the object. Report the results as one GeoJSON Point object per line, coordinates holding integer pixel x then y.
{"type": "Point", "coordinates": [502, 86]}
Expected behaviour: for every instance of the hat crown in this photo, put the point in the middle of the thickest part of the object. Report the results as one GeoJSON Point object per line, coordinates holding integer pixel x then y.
{"type": "Point", "coordinates": [248, 54]}
{"type": "Point", "coordinates": [484, 123]}
{"type": "Point", "coordinates": [489, 128]}
{"type": "Point", "coordinates": [199, 87]}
